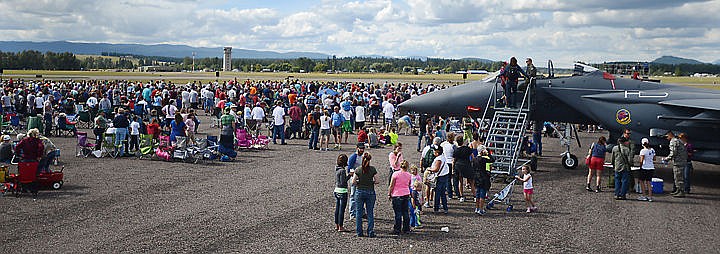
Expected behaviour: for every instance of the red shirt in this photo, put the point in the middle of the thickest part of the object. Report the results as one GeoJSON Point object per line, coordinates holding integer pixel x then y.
{"type": "Point", "coordinates": [30, 148]}
{"type": "Point", "coordinates": [153, 129]}
{"type": "Point", "coordinates": [362, 136]}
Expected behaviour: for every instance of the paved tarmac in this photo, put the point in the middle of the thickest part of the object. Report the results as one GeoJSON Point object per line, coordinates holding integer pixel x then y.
{"type": "Point", "coordinates": [280, 200]}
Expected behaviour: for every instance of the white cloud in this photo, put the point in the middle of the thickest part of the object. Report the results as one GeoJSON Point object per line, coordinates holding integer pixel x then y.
{"type": "Point", "coordinates": [564, 30]}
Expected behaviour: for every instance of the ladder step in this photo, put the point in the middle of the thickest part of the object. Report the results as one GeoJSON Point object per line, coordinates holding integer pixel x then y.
{"type": "Point", "coordinates": [504, 142]}
{"type": "Point", "coordinates": [492, 135]}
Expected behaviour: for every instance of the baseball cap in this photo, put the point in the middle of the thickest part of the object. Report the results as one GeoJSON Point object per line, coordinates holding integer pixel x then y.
{"type": "Point", "coordinates": [645, 141]}
{"type": "Point", "coordinates": [5, 138]}
{"type": "Point", "coordinates": [360, 145]}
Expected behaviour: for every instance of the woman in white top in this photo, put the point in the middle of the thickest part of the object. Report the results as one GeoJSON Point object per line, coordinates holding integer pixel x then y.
{"type": "Point", "coordinates": [647, 159]}
{"type": "Point", "coordinates": [325, 130]}
{"type": "Point", "coordinates": [441, 168]}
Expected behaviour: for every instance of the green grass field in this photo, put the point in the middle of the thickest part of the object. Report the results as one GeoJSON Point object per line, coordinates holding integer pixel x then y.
{"type": "Point", "coordinates": [184, 77]}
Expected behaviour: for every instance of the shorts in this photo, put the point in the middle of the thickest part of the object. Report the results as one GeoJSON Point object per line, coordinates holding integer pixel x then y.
{"type": "Point", "coordinates": [336, 130]}
{"type": "Point", "coordinates": [635, 173]}
{"type": "Point", "coordinates": [528, 191]}
{"type": "Point", "coordinates": [596, 163]}
{"type": "Point", "coordinates": [325, 132]}
{"type": "Point", "coordinates": [646, 174]}
{"type": "Point", "coordinates": [480, 193]}
{"type": "Point", "coordinates": [346, 127]}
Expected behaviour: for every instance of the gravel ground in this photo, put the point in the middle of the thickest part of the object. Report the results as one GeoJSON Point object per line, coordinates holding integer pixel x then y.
{"type": "Point", "coordinates": [280, 200]}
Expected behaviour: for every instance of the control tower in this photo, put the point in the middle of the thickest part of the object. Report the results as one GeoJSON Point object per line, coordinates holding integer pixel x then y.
{"type": "Point", "coordinates": [227, 59]}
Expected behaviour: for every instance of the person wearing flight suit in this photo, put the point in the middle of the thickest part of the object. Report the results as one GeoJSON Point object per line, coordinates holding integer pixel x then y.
{"type": "Point", "coordinates": [678, 155]}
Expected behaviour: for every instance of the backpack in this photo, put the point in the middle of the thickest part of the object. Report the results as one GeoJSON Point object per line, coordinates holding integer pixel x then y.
{"type": "Point", "coordinates": [513, 73]}
{"type": "Point", "coordinates": [427, 159]}
{"type": "Point", "coordinates": [311, 119]}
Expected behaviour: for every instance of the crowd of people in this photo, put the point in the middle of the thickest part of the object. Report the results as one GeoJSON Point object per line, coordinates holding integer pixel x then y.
{"type": "Point", "coordinates": [623, 164]}
{"type": "Point", "coordinates": [445, 165]}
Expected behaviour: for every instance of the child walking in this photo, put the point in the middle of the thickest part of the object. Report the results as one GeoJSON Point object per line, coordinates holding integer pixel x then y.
{"type": "Point", "coordinates": [415, 204]}
{"type": "Point", "coordinates": [527, 188]}
{"type": "Point", "coordinates": [416, 195]}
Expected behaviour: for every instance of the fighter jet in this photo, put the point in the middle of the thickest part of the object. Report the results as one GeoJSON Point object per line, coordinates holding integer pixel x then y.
{"type": "Point", "coordinates": [591, 96]}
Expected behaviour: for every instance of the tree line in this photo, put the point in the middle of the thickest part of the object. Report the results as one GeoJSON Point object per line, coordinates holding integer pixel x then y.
{"type": "Point", "coordinates": [36, 60]}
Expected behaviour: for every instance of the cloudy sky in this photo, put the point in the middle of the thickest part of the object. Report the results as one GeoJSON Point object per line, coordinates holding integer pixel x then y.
{"type": "Point", "coordinates": [562, 30]}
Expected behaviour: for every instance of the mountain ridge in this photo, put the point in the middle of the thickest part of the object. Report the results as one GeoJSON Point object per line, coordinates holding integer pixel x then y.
{"type": "Point", "coordinates": [162, 50]}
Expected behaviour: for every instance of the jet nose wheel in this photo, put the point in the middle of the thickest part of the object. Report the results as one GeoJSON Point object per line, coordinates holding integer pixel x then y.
{"type": "Point", "coordinates": [569, 161]}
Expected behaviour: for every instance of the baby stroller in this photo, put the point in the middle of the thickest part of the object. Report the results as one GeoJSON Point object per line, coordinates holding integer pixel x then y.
{"type": "Point", "coordinates": [503, 197]}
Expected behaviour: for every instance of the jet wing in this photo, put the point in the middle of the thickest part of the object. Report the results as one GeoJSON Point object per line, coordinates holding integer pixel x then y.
{"type": "Point", "coordinates": [707, 104]}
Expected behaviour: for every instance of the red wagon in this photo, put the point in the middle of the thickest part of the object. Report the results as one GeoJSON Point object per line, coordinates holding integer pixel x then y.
{"type": "Point", "coordinates": [28, 180]}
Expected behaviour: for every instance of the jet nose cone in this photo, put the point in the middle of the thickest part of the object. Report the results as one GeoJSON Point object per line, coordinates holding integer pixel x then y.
{"type": "Point", "coordinates": [452, 101]}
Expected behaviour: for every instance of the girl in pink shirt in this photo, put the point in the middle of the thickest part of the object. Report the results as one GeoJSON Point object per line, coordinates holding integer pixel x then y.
{"type": "Point", "coordinates": [395, 157]}
{"type": "Point", "coordinates": [399, 193]}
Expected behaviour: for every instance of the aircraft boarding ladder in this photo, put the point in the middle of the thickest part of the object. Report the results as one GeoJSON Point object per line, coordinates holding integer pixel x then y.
{"type": "Point", "coordinates": [506, 132]}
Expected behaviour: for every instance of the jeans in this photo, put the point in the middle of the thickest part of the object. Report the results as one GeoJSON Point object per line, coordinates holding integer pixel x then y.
{"type": "Point", "coordinates": [402, 216]}
{"type": "Point", "coordinates": [451, 180]}
{"type": "Point", "coordinates": [340, 204]}
{"type": "Point", "coordinates": [414, 216]}
{"type": "Point", "coordinates": [296, 129]}
{"type": "Point", "coordinates": [364, 200]}
{"type": "Point", "coordinates": [621, 183]}
{"type": "Point", "coordinates": [353, 188]}
{"type": "Point", "coordinates": [421, 134]}
{"type": "Point", "coordinates": [313, 143]}
{"type": "Point", "coordinates": [687, 172]}
{"type": "Point", "coordinates": [537, 139]}
{"type": "Point", "coordinates": [440, 189]}
{"type": "Point", "coordinates": [120, 135]}
{"type": "Point", "coordinates": [279, 130]}
{"type": "Point", "coordinates": [510, 90]}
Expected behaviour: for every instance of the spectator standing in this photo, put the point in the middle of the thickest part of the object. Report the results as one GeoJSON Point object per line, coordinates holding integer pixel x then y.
{"type": "Point", "coordinates": [597, 153]}
{"type": "Point", "coordinates": [647, 169]}
{"type": "Point", "coordinates": [341, 191]}
{"type": "Point", "coordinates": [365, 179]}
{"type": "Point", "coordinates": [512, 72]}
{"type": "Point", "coordinates": [621, 160]}
{"type": "Point", "coordinates": [354, 163]}
{"type": "Point", "coordinates": [396, 158]}
{"type": "Point", "coordinates": [399, 194]}
{"type": "Point", "coordinates": [314, 124]}
{"type": "Point", "coordinates": [279, 123]}
{"type": "Point", "coordinates": [440, 167]}
{"type": "Point", "coordinates": [389, 114]}
{"type": "Point", "coordinates": [688, 170]}
{"type": "Point", "coordinates": [679, 156]}
{"type": "Point", "coordinates": [296, 121]}
{"type": "Point", "coordinates": [482, 165]}
{"type": "Point", "coordinates": [448, 151]}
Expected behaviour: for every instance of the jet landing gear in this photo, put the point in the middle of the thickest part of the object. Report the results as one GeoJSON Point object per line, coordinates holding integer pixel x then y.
{"type": "Point", "coordinates": [568, 160]}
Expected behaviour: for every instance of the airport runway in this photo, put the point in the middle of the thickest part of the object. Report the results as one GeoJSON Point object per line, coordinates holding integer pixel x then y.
{"type": "Point", "coordinates": [281, 201]}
